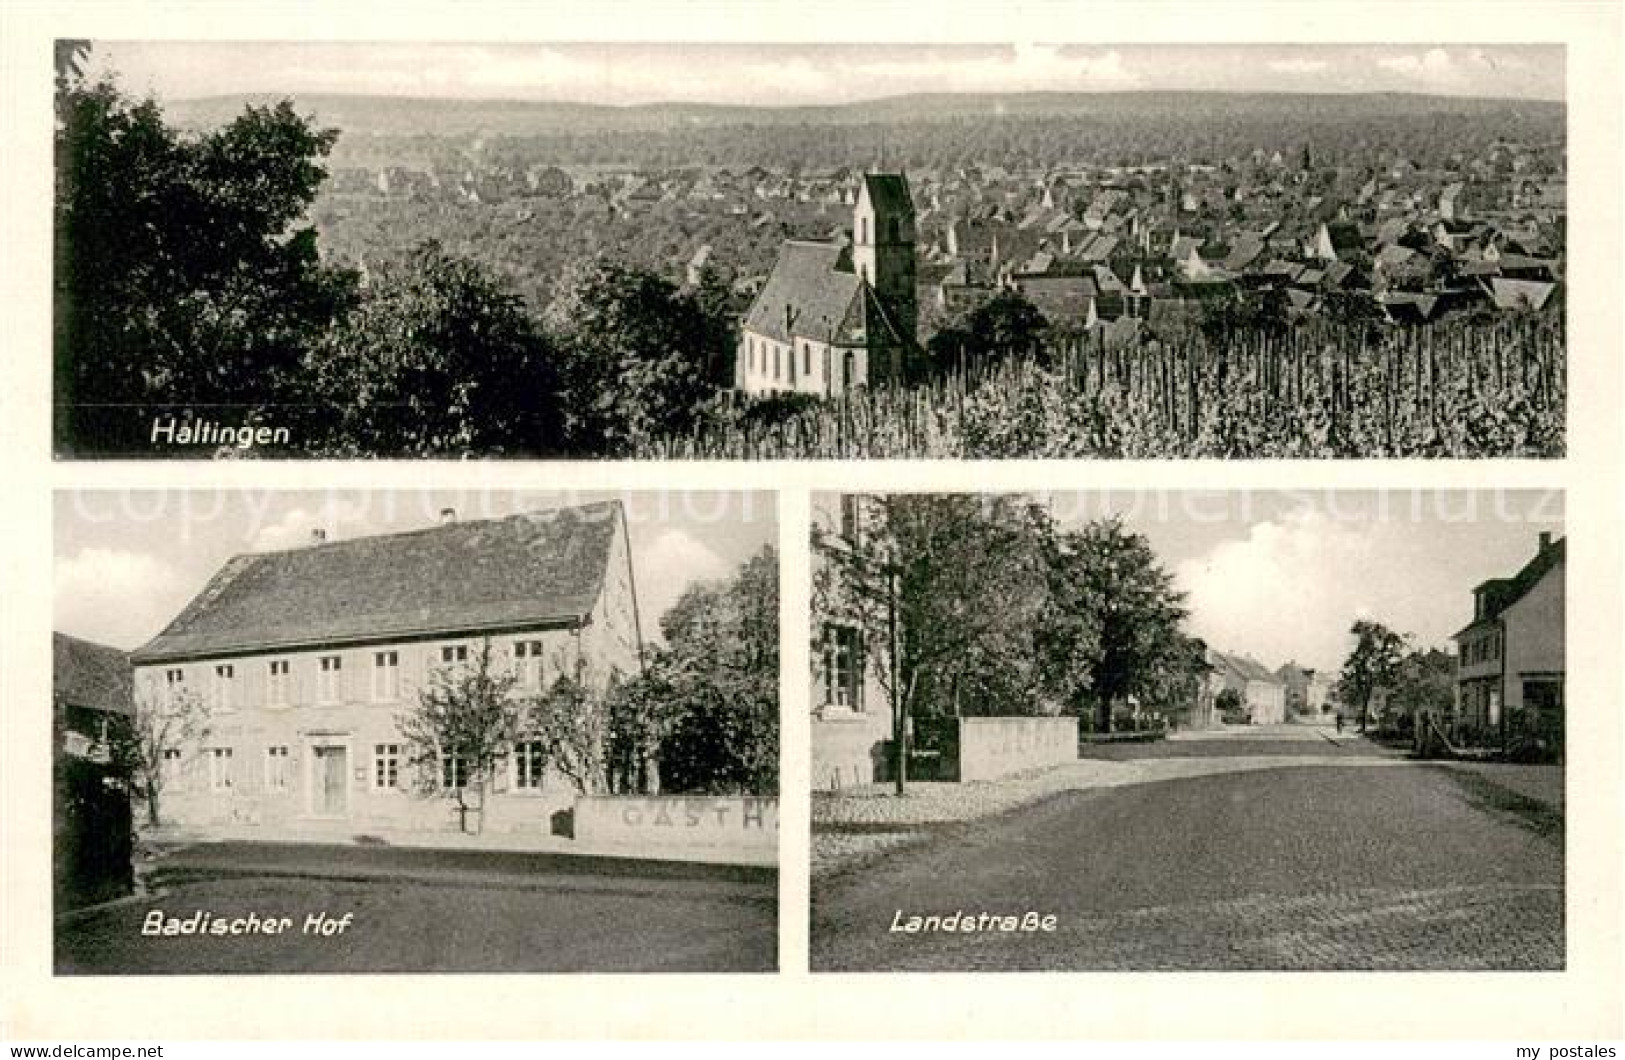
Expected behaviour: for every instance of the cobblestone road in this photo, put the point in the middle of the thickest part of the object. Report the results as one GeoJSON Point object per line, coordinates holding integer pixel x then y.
{"type": "Point", "coordinates": [1296, 866]}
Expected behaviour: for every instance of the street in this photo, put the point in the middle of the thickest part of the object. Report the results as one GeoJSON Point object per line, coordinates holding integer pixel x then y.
{"type": "Point", "coordinates": [430, 911]}
{"type": "Point", "coordinates": [1362, 860]}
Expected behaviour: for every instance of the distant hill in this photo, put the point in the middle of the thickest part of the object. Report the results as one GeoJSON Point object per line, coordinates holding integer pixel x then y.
{"type": "Point", "coordinates": [404, 116]}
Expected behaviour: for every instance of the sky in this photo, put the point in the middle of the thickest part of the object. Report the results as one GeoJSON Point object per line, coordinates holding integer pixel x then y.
{"type": "Point", "coordinates": [128, 561]}
{"type": "Point", "coordinates": [792, 74]}
{"type": "Point", "coordinates": [1282, 576]}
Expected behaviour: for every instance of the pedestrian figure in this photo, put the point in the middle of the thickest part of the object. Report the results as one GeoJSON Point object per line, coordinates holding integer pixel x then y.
{"type": "Point", "coordinates": [1339, 721]}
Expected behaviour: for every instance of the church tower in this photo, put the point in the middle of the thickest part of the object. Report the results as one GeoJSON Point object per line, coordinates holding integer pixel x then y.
{"type": "Point", "coordinates": [883, 257]}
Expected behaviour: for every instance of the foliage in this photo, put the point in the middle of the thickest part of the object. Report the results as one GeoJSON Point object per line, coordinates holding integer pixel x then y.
{"type": "Point", "coordinates": [184, 277]}
{"type": "Point", "coordinates": [1232, 707]}
{"type": "Point", "coordinates": [718, 676]}
{"type": "Point", "coordinates": [1002, 328]}
{"type": "Point", "coordinates": [1001, 613]}
{"type": "Point", "coordinates": [465, 714]}
{"type": "Point", "coordinates": [1110, 580]}
{"type": "Point", "coordinates": [573, 724]}
{"type": "Point", "coordinates": [438, 359]}
{"type": "Point", "coordinates": [639, 355]}
{"type": "Point", "coordinates": [1373, 665]}
{"type": "Point", "coordinates": [1447, 390]}
{"type": "Point", "coordinates": [137, 746]}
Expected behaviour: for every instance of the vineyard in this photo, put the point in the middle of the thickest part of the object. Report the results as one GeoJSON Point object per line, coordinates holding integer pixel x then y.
{"type": "Point", "coordinates": [1456, 389]}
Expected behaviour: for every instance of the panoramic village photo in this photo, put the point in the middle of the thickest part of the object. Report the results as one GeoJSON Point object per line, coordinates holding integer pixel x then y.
{"type": "Point", "coordinates": [1193, 731]}
{"type": "Point", "coordinates": [787, 251]}
{"type": "Point", "coordinates": [415, 731]}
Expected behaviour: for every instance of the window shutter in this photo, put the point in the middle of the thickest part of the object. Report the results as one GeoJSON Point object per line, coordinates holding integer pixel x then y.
{"type": "Point", "coordinates": [860, 666]}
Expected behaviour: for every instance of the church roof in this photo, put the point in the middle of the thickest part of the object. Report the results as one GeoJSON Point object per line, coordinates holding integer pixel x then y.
{"type": "Point", "coordinates": [535, 569]}
{"type": "Point", "coordinates": [811, 292]}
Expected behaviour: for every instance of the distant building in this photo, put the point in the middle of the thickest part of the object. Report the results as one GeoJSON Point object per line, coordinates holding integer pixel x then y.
{"type": "Point", "coordinates": [92, 689]}
{"type": "Point", "coordinates": [91, 828]}
{"type": "Point", "coordinates": [1510, 658]}
{"type": "Point", "coordinates": [834, 316]}
{"type": "Point", "coordinates": [851, 711]}
{"type": "Point", "coordinates": [1263, 692]}
{"type": "Point", "coordinates": [307, 657]}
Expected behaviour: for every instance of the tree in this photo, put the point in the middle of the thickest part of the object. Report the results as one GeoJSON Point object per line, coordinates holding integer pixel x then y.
{"type": "Point", "coordinates": [572, 721]}
{"type": "Point", "coordinates": [1003, 327]}
{"type": "Point", "coordinates": [719, 674]}
{"type": "Point", "coordinates": [1232, 706]}
{"type": "Point", "coordinates": [1107, 579]}
{"type": "Point", "coordinates": [184, 277]}
{"type": "Point", "coordinates": [639, 356]}
{"type": "Point", "coordinates": [459, 731]}
{"type": "Point", "coordinates": [439, 359]}
{"type": "Point", "coordinates": [162, 730]}
{"type": "Point", "coordinates": [1371, 667]}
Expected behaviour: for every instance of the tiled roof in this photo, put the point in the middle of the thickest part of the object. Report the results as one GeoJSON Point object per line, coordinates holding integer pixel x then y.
{"type": "Point", "coordinates": [90, 675]}
{"type": "Point", "coordinates": [534, 569]}
{"type": "Point", "coordinates": [815, 283]}
{"type": "Point", "coordinates": [1502, 593]}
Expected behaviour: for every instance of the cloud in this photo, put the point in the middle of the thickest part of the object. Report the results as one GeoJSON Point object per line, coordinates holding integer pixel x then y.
{"type": "Point", "coordinates": [1297, 66]}
{"type": "Point", "coordinates": [1291, 588]}
{"type": "Point", "coordinates": [673, 562]}
{"type": "Point", "coordinates": [115, 597]}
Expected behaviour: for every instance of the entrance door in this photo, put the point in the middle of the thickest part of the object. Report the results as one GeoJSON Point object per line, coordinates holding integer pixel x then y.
{"type": "Point", "coordinates": [332, 767]}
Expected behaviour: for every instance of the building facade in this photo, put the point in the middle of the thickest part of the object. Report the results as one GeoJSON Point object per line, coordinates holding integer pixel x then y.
{"type": "Point", "coordinates": [306, 659]}
{"type": "Point", "coordinates": [1511, 658]}
{"type": "Point", "coordinates": [851, 709]}
{"type": "Point", "coordinates": [834, 316]}
{"type": "Point", "coordinates": [1263, 692]}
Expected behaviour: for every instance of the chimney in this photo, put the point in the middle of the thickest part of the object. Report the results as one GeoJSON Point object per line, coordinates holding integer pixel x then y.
{"type": "Point", "coordinates": [448, 516]}
{"type": "Point", "coordinates": [318, 536]}
{"type": "Point", "coordinates": [1545, 540]}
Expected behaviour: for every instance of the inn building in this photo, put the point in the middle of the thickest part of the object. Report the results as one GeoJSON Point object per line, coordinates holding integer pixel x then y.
{"type": "Point", "coordinates": [838, 315]}
{"type": "Point", "coordinates": [306, 657]}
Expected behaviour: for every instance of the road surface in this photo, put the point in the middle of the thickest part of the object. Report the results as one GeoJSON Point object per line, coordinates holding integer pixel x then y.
{"type": "Point", "coordinates": [1369, 865]}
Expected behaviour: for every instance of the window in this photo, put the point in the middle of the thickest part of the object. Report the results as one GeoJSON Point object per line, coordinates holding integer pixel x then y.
{"type": "Point", "coordinates": [454, 655]}
{"type": "Point", "coordinates": [842, 677]}
{"type": "Point", "coordinates": [527, 655]}
{"type": "Point", "coordinates": [386, 766]}
{"type": "Point", "coordinates": [529, 765]}
{"type": "Point", "coordinates": [863, 230]}
{"type": "Point", "coordinates": [386, 676]}
{"type": "Point", "coordinates": [276, 688]}
{"type": "Point", "coordinates": [849, 517]}
{"type": "Point", "coordinates": [225, 687]}
{"type": "Point", "coordinates": [453, 771]}
{"type": "Point", "coordinates": [220, 769]}
{"type": "Point", "coordinates": [330, 679]}
{"type": "Point", "coordinates": [169, 766]}
{"type": "Point", "coordinates": [276, 769]}
{"type": "Point", "coordinates": [806, 359]}
{"type": "Point", "coordinates": [776, 352]}
{"type": "Point", "coordinates": [174, 685]}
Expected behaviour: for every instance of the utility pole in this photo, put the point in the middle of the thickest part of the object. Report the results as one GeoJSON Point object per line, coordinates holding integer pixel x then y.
{"type": "Point", "coordinates": [899, 722]}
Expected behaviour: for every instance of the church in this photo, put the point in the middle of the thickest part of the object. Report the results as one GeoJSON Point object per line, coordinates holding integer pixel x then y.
{"type": "Point", "coordinates": [837, 315]}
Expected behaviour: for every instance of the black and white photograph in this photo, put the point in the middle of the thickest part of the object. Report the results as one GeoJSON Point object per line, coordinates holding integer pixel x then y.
{"type": "Point", "coordinates": [415, 731]}
{"type": "Point", "coordinates": [721, 250]}
{"type": "Point", "coordinates": [1188, 731]}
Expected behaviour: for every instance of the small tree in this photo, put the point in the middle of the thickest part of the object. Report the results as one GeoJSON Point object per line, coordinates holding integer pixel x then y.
{"type": "Point", "coordinates": [1371, 667]}
{"type": "Point", "coordinates": [573, 724]}
{"type": "Point", "coordinates": [1232, 707]}
{"type": "Point", "coordinates": [163, 727]}
{"type": "Point", "coordinates": [457, 734]}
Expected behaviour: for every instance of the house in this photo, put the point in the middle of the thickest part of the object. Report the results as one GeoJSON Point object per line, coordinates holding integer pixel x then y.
{"type": "Point", "coordinates": [1308, 691]}
{"type": "Point", "coordinates": [1337, 241]}
{"type": "Point", "coordinates": [1261, 690]}
{"type": "Point", "coordinates": [307, 658]}
{"type": "Point", "coordinates": [834, 316]}
{"type": "Point", "coordinates": [851, 709]}
{"type": "Point", "coordinates": [92, 690]}
{"type": "Point", "coordinates": [1510, 657]}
